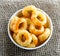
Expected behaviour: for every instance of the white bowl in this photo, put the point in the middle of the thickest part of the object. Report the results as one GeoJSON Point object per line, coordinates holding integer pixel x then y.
{"type": "Point", "coordinates": [50, 26]}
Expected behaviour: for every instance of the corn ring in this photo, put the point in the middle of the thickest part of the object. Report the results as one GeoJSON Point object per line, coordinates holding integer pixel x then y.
{"type": "Point", "coordinates": [23, 34]}
{"type": "Point", "coordinates": [29, 22]}
{"type": "Point", "coordinates": [44, 36]}
{"type": "Point", "coordinates": [39, 18]}
{"type": "Point", "coordinates": [18, 23]}
{"type": "Point", "coordinates": [34, 42]}
{"type": "Point", "coordinates": [36, 30]}
{"type": "Point", "coordinates": [29, 10]}
{"type": "Point", "coordinates": [47, 23]}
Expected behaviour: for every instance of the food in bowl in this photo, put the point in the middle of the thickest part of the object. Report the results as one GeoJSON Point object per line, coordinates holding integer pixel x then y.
{"type": "Point", "coordinates": [31, 29]}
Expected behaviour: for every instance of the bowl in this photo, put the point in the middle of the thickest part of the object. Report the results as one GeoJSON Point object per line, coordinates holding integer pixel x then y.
{"type": "Point", "coordinates": [50, 26]}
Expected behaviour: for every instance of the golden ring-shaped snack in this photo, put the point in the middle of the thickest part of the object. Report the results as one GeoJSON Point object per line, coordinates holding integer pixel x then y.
{"type": "Point", "coordinates": [44, 36]}
{"type": "Point", "coordinates": [36, 30]}
{"type": "Point", "coordinates": [29, 10]}
{"type": "Point", "coordinates": [23, 38]}
{"type": "Point", "coordinates": [29, 22]}
{"type": "Point", "coordinates": [34, 41]}
{"type": "Point", "coordinates": [18, 23]}
{"type": "Point", "coordinates": [47, 23]}
{"type": "Point", "coordinates": [39, 18]}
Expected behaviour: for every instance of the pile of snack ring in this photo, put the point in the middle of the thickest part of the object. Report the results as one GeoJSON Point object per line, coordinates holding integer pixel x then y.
{"type": "Point", "coordinates": [31, 29]}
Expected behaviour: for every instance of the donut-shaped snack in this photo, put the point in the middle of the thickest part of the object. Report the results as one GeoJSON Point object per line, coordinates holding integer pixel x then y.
{"type": "Point", "coordinates": [29, 10]}
{"type": "Point", "coordinates": [34, 41]}
{"type": "Point", "coordinates": [44, 36]}
{"type": "Point", "coordinates": [18, 23]}
{"type": "Point", "coordinates": [23, 38]}
{"type": "Point", "coordinates": [39, 18]}
{"type": "Point", "coordinates": [29, 22]}
{"type": "Point", "coordinates": [37, 30]}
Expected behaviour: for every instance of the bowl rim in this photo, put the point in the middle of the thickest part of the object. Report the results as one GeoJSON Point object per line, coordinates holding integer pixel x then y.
{"type": "Point", "coordinates": [14, 14]}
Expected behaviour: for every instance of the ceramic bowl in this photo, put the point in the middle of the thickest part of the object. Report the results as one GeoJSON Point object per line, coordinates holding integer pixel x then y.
{"type": "Point", "coordinates": [50, 26]}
